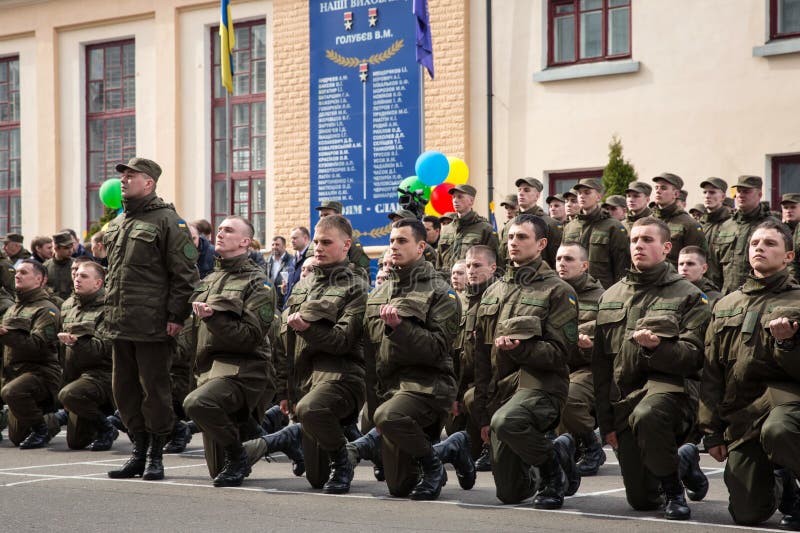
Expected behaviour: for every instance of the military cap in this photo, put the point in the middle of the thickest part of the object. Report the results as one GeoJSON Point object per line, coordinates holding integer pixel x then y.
{"type": "Point", "coordinates": [749, 182]}
{"type": "Point", "coordinates": [571, 192]}
{"type": "Point", "coordinates": [791, 198]}
{"type": "Point", "coordinates": [140, 164]}
{"type": "Point", "coordinates": [466, 189]}
{"type": "Point", "coordinates": [510, 200]}
{"type": "Point", "coordinates": [672, 179]}
{"type": "Point", "coordinates": [14, 237]}
{"type": "Point", "coordinates": [533, 182]}
{"type": "Point", "coordinates": [520, 327]}
{"type": "Point", "coordinates": [451, 216]}
{"type": "Point", "coordinates": [556, 198]}
{"type": "Point", "coordinates": [664, 326]}
{"type": "Point", "coordinates": [683, 195]}
{"type": "Point", "coordinates": [591, 183]}
{"type": "Point", "coordinates": [700, 208]}
{"type": "Point", "coordinates": [640, 186]}
{"type": "Point", "coordinates": [314, 310]}
{"type": "Point", "coordinates": [717, 183]}
{"type": "Point", "coordinates": [63, 239]}
{"type": "Point", "coordinates": [410, 308]}
{"type": "Point", "coordinates": [219, 302]}
{"type": "Point", "coordinates": [616, 200]}
{"type": "Point", "coordinates": [330, 204]}
{"type": "Point", "coordinates": [400, 214]}
{"type": "Point", "coordinates": [728, 202]}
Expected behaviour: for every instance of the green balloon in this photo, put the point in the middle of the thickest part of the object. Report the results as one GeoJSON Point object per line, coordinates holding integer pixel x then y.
{"type": "Point", "coordinates": [111, 193]}
{"type": "Point", "coordinates": [413, 183]}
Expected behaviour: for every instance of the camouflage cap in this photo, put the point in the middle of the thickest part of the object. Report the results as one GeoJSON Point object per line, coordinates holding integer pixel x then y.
{"type": "Point", "coordinates": [410, 308]}
{"type": "Point", "coordinates": [571, 192]}
{"type": "Point", "coordinates": [533, 182]}
{"type": "Point", "coordinates": [664, 326]}
{"type": "Point", "coordinates": [683, 195]}
{"type": "Point", "coordinates": [615, 200]}
{"type": "Point", "coordinates": [63, 239]}
{"type": "Point", "coordinates": [672, 179]}
{"type": "Point", "coordinates": [401, 214]}
{"type": "Point", "coordinates": [330, 204]}
{"type": "Point", "coordinates": [591, 183]}
{"type": "Point", "coordinates": [510, 200]}
{"type": "Point", "coordinates": [466, 189]}
{"type": "Point", "coordinates": [520, 327]}
{"type": "Point", "coordinates": [717, 183]}
{"type": "Point", "coordinates": [699, 208]}
{"type": "Point", "coordinates": [14, 237]}
{"type": "Point", "coordinates": [791, 198]}
{"type": "Point", "coordinates": [749, 182]}
{"type": "Point", "coordinates": [450, 215]}
{"type": "Point", "coordinates": [640, 187]}
{"type": "Point", "coordinates": [315, 310]}
{"type": "Point", "coordinates": [140, 164]}
{"type": "Point", "coordinates": [555, 198]}
{"type": "Point", "coordinates": [728, 202]}
{"type": "Point", "coordinates": [219, 302]}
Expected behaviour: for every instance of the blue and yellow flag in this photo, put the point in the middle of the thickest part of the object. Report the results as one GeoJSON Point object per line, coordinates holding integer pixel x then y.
{"type": "Point", "coordinates": [227, 40]}
{"type": "Point", "coordinates": [492, 218]}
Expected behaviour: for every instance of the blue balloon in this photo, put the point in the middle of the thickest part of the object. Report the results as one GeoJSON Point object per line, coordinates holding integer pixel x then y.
{"type": "Point", "coordinates": [432, 168]}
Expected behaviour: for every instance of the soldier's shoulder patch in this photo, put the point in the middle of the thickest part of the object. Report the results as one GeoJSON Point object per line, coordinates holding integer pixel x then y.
{"type": "Point", "coordinates": [265, 312]}
{"type": "Point", "coordinates": [572, 299]}
{"type": "Point", "coordinates": [190, 251]}
{"type": "Point", "coordinates": [12, 270]}
{"type": "Point", "coordinates": [51, 313]}
{"type": "Point", "coordinates": [699, 227]}
{"type": "Point", "coordinates": [452, 294]}
{"type": "Point", "coordinates": [267, 285]}
{"type": "Point", "coordinates": [570, 330]}
{"type": "Point", "coordinates": [704, 298]}
{"type": "Point", "coordinates": [182, 224]}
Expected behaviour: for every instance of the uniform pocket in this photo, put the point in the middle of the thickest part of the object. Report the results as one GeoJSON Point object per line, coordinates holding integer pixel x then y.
{"type": "Point", "coordinates": [142, 249]}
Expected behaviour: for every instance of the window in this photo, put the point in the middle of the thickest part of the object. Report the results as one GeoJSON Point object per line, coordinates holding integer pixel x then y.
{"type": "Point", "coordinates": [110, 117]}
{"type": "Point", "coordinates": [10, 170]}
{"type": "Point", "coordinates": [785, 176]}
{"type": "Point", "coordinates": [581, 31]}
{"type": "Point", "coordinates": [561, 182]}
{"type": "Point", "coordinates": [784, 19]}
{"type": "Point", "coordinates": [248, 129]}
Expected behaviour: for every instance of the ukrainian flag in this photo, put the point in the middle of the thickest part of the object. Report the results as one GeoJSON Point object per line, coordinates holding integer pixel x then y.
{"type": "Point", "coordinates": [227, 40]}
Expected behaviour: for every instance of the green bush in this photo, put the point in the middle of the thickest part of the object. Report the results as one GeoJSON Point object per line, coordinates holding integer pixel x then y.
{"type": "Point", "coordinates": [618, 172]}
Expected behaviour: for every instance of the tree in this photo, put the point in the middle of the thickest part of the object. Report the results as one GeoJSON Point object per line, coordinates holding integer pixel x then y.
{"type": "Point", "coordinates": [618, 172]}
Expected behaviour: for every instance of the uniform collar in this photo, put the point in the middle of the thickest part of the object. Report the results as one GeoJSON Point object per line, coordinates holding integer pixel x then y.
{"type": "Point", "coordinates": [31, 295]}
{"type": "Point", "coordinates": [754, 285]}
{"type": "Point", "coordinates": [88, 299]}
{"type": "Point", "coordinates": [667, 211]}
{"type": "Point", "coordinates": [231, 264]}
{"type": "Point", "coordinates": [525, 274]}
{"type": "Point", "coordinates": [718, 215]}
{"type": "Point", "coordinates": [134, 205]}
{"type": "Point", "coordinates": [594, 215]}
{"type": "Point", "coordinates": [658, 275]}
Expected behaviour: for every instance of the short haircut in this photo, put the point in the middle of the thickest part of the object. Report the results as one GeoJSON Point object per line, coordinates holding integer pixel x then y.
{"type": "Point", "coordinates": [71, 232]}
{"type": "Point", "coordinates": [82, 259]}
{"type": "Point", "coordinates": [663, 229]}
{"type": "Point", "coordinates": [433, 220]}
{"type": "Point", "coordinates": [37, 266]}
{"type": "Point", "coordinates": [39, 241]}
{"type": "Point", "coordinates": [98, 237]}
{"type": "Point", "coordinates": [98, 270]}
{"type": "Point", "coordinates": [279, 238]}
{"type": "Point", "coordinates": [538, 224]}
{"type": "Point", "coordinates": [417, 228]}
{"type": "Point", "coordinates": [303, 230]}
{"type": "Point", "coordinates": [583, 255]}
{"type": "Point", "coordinates": [337, 222]}
{"type": "Point", "coordinates": [695, 250]}
{"type": "Point", "coordinates": [484, 251]}
{"type": "Point", "coordinates": [203, 226]}
{"type": "Point", "coordinates": [782, 229]}
{"type": "Point", "coordinates": [250, 229]}
{"type": "Point", "coordinates": [460, 262]}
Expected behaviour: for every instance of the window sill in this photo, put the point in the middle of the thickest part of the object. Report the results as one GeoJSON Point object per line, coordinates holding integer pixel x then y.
{"type": "Point", "coordinates": [586, 70]}
{"type": "Point", "coordinates": [777, 48]}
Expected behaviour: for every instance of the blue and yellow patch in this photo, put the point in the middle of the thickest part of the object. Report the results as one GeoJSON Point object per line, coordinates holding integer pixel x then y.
{"type": "Point", "coordinates": [572, 299]}
{"type": "Point", "coordinates": [268, 285]}
{"type": "Point", "coordinates": [451, 294]}
{"type": "Point", "coordinates": [704, 298]}
{"type": "Point", "coordinates": [182, 224]}
{"type": "Point", "coordinates": [51, 313]}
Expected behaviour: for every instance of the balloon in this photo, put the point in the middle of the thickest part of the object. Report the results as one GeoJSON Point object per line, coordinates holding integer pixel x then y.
{"type": "Point", "coordinates": [111, 193]}
{"type": "Point", "coordinates": [432, 168]}
{"type": "Point", "coordinates": [430, 211]}
{"type": "Point", "coordinates": [412, 184]}
{"type": "Point", "coordinates": [459, 171]}
{"type": "Point", "coordinates": [441, 199]}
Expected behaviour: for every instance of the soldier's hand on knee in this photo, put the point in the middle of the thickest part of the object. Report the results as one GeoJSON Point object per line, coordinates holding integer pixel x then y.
{"type": "Point", "coordinates": [296, 322]}
{"type": "Point", "coordinates": [646, 339]}
{"type": "Point", "coordinates": [390, 315]}
{"type": "Point", "coordinates": [611, 439]}
{"type": "Point", "coordinates": [585, 342]}
{"type": "Point", "coordinates": [202, 309]}
{"type": "Point", "coordinates": [720, 453]}
{"type": "Point", "coordinates": [485, 434]}
{"type": "Point", "coordinates": [783, 328]}
{"type": "Point", "coordinates": [506, 343]}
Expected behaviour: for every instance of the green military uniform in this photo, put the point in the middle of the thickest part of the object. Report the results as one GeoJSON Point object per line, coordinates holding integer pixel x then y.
{"type": "Point", "coordinates": [631, 217]}
{"type": "Point", "coordinates": [710, 289]}
{"type": "Point", "coordinates": [794, 227]}
{"type": "Point", "coordinates": [683, 228]}
{"type": "Point", "coordinates": [233, 354]}
{"type": "Point", "coordinates": [555, 234]}
{"type": "Point", "coordinates": [31, 372]}
{"type": "Point", "coordinates": [328, 361]}
{"type": "Point", "coordinates": [521, 392]}
{"type": "Point", "coordinates": [414, 367]}
{"type": "Point", "coordinates": [356, 254]}
{"type": "Point", "coordinates": [7, 272]}
{"type": "Point", "coordinates": [151, 275]}
{"type": "Point", "coordinates": [750, 394]}
{"type": "Point", "coordinates": [22, 253]}
{"type": "Point", "coordinates": [468, 230]}
{"type": "Point", "coordinates": [712, 223]}
{"type": "Point", "coordinates": [87, 394]}
{"type": "Point", "coordinates": [59, 276]}
{"type": "Point", "coordinates": [642, 394]}
{"type": "Point", "coordinates": [606, 241]}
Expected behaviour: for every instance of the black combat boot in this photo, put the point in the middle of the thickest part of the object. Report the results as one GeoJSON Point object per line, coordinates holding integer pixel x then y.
{"type": "Point", "coordinates": [341, 473]}
{"type": "Point", "coordinates": [106, 435]}
{"type": "Point", "coordinates": [551, 485]}
{"type": "Point", "coordinates": [368, 447]}
{"type": "Point", "coordinates": [790, 501]}
{"type": "Point", "coordinates": [180, 438]}
{"type": "Point", "coordinates": [135, 465]}
{"type": "Point", "coordinates": [564, 447]}
{"type": "Point", "coordinates": [274, 420]}
{"type": "Point", "coordinates": [593, 454]}
{"type": "Point", "coordinates": [194, 429]}
{"type": "Point", "coordinates": [37, 438]}
{"type": "Point", "coordinates": [433, 478]}
{"type": "Point", "coordinates": [289, 441]}
{"type": "Point", "coordinates": [155, 465]}
{"type": "Point", "coordinates": [235, 469]}
{"type": "Point", "coordinates": [676, 507]}
{"type": "Point", "coordinates": [484, 462]}
{"type": "Point", "coordinates": [455, 450]}
{"type": "Point", "coordinates": [691, 475]}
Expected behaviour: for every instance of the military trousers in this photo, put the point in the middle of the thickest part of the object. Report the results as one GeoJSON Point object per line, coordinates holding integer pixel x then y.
{"type": "Point", "coordinates": [87, 399]}
{"type": "Point", "coordinates": [518, 441]}
{"type": "Point", "coordinates": [183, 382]}
{"type": "Point", "coordinates": [372, 402]}
{"type": "Point", "coordinates": [408, 423]}
{"type": "Point", "coordinates": [648, 447]}
{"type": "Point", "coordinates": [473, 430]}
{"type": "Point", "coordinates": [141, 384]}
{"type": "Point", "coordinates": [577, 417]}
{"type": "Point", "coordinates": [28, 396]}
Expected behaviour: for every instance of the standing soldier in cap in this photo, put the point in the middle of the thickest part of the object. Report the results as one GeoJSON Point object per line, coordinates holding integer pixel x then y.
{"type": "Point", "coordinates": [683, 195]}
{"type": "Point", "coordinates": [528, 192]}
{"type": "Point", "coordinates": [151, 275]}
{"type": "Point", "coordinates": [697, 212]}
{"type": "Point", "coordinates": [684, 230]}
{"type": "Point", "coordinates": [731, 244]}
{"type": "Point", "coordinates": [430, 252]}
{"type": "Point", "coordinates": [469, 229]}
{"type": "Point", "coordinates": [604, 238]}
{"type": "Point", "coordinates": [648, 342]}
{"type": "Point", "coordinates": [717, 213]}
{"type": "Point", "coordinates": [750, 393]}
{"type": "Point", "coordinates": [14, 249]}
{"type": "Point", "coordinates": [511, 205]}
{"type": "Point", "coordinates": [59, 267]}
{"type": "Point", "coordinates": [637, 198]}
{"type": "Point", "coordinates": [356, 255]}
{"type": "Point", "coordinates": [790, 209]}
{"type": "Point", "coordinates": [572, 208]}
{"type": "Point", "coordinates": [556, 206]}
{"type": "Point", "coordinates": [616, 206]}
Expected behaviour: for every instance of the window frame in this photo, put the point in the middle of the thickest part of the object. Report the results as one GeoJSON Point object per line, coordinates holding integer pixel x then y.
{"type": "Point", "coordinates": [604, 56]}
{"type": "Point", "coordinates": [555, 177]}
{"type": "Point", "coordinates": [7, 195]}
{"type": "Point", "coordinates": [775, 180]}
{"type": "Point", "coordinates": [774, 35]}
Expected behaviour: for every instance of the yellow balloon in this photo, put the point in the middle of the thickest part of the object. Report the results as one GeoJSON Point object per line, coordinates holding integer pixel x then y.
{"type": "Point", "coordinates": [430, 211]}
{"type": "Point", "coordinates": [459, 172]}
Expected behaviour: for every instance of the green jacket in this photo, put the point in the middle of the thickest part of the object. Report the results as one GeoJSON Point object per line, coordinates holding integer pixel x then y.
{"type": "Point", "coordinates": [630, 218]}
{"type": "Point", "coordinates": [418, 354]}
{"type": "Point", "coordinates": [712, 223]}
{"type": "Point", "coordinates": [82, 316]}
{"type": "Point", "coordinates": [465, 341]}
{"type": "Point", "coordinates": [151, 271]}
{"type": "Point", "coordinates": [355, 255]}
{"type": "Point", "coordinates": [794, 266]}
{"type": "Point", "coordinates": [709, 289]}
{"type": "Point", "coordinates": [22, 254]}
{"type": "Point", "coordinates": [59, 276]}
{"type": "Point", "coordinates": [534, 298]}
{"type": "Point", "coordinates": [7, 272]}
{"type": "Point", "coordinates": [233, 341]}
{"type": "Point", "coordinates": [607, 242]}
{"type": "Point", "coordinates": [555, 231]}
{"type": "Point", "coordinates": [469, 230]}
{"type": "Point", "coordinates": [732, 244]}
{"type": "Point", "coordinates": [683, 228]}
{"type": "Point", "coordinates": [624, 373]}
{"type": "Point", "coordinates": [589, 292]}
{"type": "Point", "coordinates": [743, 360]}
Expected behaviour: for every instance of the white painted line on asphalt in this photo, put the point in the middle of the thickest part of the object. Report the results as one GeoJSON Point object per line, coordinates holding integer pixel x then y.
{"type": "Point", "coordinates": [598, 493]}
{"type": "Point", "coordinates": [104, 461]}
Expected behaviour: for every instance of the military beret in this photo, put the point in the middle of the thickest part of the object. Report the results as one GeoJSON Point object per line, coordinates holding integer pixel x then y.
{"type": "Point", "coordinates": [510, 200]}
{"type": "Point", "coordinates": [749, 182]}
{"type": "Point", "coordinates": [219, 302]}
{"type": "Point", "coordinates": [14, 237]}
{"type": "Point", "coordinates": [409, 308]}
{"type": "Point", "coordinates": [556, 198]}
{"type": "Point", "coordinates": [616, 200]}
{"type": "Point", "coordinates": [63, 239]}
{"type": "Point", "coordinates": [664, 326]}
{"type": "Point", "coordinates": [641, 187]}
{"type": "Point", "coordinates": [591, 183]}
{"type": "Point", "coordinates": [401, 214]}
{"type": "Point", "coordinates": [533, 182]}
{"type": "Point", "coordinates": [717, 183]}
{"type": "Point", "coordinates": [520, 327]}
{"type": "Point", "coordinates": [672, 179]}
{"type": "Point", "coordinates": [790, 198]}
{"type": "Point", "coordinates": [140, 164]}
{"type": "Point", "coordinates": [466, 189]}
{"type": "Point", "coordinates": [330, 204]}
{"type": "Point", "coordinates": [314, 310]}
